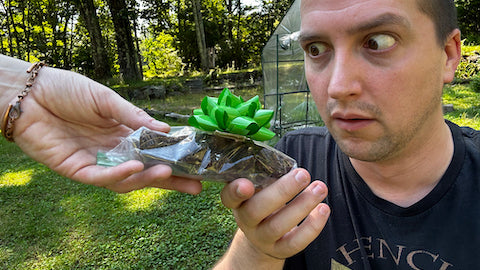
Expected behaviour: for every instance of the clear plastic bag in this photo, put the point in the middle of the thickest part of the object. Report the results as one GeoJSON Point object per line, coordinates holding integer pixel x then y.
{"type": "Point", "coordinates": [217, 156]}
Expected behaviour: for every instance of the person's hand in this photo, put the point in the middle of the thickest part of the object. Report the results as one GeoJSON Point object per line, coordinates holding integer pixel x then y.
{"type": "Point", "coordinates": [67, 118]}
{"type": "Point", "coordinates": [282, 219]}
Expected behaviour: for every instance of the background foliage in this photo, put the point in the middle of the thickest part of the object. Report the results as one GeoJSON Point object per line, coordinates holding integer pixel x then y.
{"type": "Point", "coordinates": [73, 34]}
{"type": "Point", "coordinates": [81, 35]}
{"type": "Point", "coordinates": [469, 19]}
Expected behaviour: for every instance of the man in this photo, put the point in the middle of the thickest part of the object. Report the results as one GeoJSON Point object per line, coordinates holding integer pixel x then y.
{"type": "Point", "coordinates": [402, 182]}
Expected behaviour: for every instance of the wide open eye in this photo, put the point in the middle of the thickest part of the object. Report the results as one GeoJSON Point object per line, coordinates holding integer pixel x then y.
{"type": "Point", "coordinates": [380, 42]}
{"type": "Point", "coordinates": [316, 49]}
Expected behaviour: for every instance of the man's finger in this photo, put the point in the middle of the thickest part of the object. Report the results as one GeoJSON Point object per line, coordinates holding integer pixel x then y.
{"type": "Point", "coordinates": [301, 236]}
{"type": "Point", "coordinates": [273, 197]}
{"type": "Point", "coordinates": [277, 225]}
{"type": "Point", "coordinates": [185, 185]}
{"type": "Point", "coordinates": [236, 192]}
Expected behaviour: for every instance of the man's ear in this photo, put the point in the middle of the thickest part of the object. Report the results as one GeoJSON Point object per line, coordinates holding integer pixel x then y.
{"type": "Point", "coordinates": [453, 51]}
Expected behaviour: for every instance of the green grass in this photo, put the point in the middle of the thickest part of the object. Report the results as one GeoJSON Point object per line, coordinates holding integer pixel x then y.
{"type": "Point", "coordinates": [470, 49]}
{"type": "Point", "coordinates": [466, 103]}
{"type": "Point", "coordinates": [50, 222]}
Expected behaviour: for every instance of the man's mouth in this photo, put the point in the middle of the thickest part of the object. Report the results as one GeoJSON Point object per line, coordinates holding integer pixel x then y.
{"type": "Point", "coordinates": [351, 122]}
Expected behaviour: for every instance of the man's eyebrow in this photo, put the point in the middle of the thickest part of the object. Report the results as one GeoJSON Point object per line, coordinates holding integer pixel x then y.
{"type": "Point", "coordinates": [381, 20]}
{"type": "Point", "coordinates": [305, 37]}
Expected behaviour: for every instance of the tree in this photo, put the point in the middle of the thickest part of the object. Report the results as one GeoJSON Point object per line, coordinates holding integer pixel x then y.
{"type": "Point", "coordinates": [88, 13]}
{"type": "Point", "coordinates": [89, 35]}
{"type": "Point", "coordinates": [200, 33]}
{"type": "Point", "coordinates": [160, 56]}
{"type": "Point", "coordinates": [127, 55]}
{"type": "Point", "coordinates": [469, 19]}
{"type": "Point", "coordinates": [11, 29]}
{"type": "Point", "coordinates": [37, 29]}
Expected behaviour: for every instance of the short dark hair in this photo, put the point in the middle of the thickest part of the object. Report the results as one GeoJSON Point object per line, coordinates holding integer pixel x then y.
{"type": "Point", "coordinates": [443, 14]}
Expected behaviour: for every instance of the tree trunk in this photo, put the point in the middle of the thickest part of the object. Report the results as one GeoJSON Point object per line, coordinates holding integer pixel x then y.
{"type": "Point", "coordinates": [127, 57]}
{"type": "Point", "coordinates": [12, 35]}
{"type": "Point", "coordinates": [200, 31]}
{"type": "Point", "coordinates": [240, 13]}
{"type": "Point", "coordinates": [229, 5]}
{"type": "Point", "coordinates": [137, 44]}
{"type": "Point", "coordinates": [64, 57]}
{"type": "Point", "coordinates": [88, 13]}
{"type": "Point", "coordinates": [26, 30]}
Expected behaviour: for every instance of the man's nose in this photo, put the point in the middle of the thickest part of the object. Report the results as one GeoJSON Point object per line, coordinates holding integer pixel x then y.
{"type": "Point", "coordinates": [345, 79]}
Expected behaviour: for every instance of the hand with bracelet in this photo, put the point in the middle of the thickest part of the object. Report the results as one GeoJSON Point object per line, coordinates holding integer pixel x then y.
{"type": "Point", "coordinates": [61, 119]}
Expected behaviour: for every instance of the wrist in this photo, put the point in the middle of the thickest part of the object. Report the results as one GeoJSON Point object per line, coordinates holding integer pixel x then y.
{"type": "Point", "coordinates": [242, 254]}
{"type": "Point", "coordinates": [14, 110]}
{"type": "Point", "coordinates": [13, 76]}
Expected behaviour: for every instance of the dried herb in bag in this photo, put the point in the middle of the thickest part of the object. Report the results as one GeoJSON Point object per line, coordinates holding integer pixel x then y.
{"type": "Point", "coordinates": [226, 149]}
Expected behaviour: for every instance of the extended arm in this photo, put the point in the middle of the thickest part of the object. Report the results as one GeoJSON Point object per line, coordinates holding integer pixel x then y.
{"type": "Point", "coordinates": [66, 118]}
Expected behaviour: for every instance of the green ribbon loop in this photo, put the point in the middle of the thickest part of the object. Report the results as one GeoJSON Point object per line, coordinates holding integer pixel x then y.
{"type": "Point", "coordinates": [263, 117]}
{"type": "Point", "coordinates": [230, 113]}
{"type": "Point", "coordinates": [263, 134]}
{"type": "Point", "coordinates": [203, 122]}
{"type": "Point", "coordinates": [208, 104]}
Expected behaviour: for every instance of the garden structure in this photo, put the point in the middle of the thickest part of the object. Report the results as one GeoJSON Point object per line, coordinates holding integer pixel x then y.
{"type": "Point", "coordinates": [285, 88]}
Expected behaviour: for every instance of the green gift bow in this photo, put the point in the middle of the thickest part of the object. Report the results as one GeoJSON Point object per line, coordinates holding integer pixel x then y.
{"type": "Point", "coordinates": [229, 113]}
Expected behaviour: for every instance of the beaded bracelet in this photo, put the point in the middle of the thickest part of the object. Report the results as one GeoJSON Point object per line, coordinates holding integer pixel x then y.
{"type": "Point", "coordinates": [14, 111]}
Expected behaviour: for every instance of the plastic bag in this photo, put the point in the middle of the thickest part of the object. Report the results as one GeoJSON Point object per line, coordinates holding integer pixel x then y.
{"type": "Point", "coordinates": [217, 156]}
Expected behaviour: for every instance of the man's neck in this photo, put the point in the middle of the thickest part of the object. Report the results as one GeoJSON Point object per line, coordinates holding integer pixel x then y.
{"type": "Point", "coordinates": [408, 178]}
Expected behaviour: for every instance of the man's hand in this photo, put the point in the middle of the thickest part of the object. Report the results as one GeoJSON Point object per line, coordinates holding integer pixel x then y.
{"type": "Point", "coordinates": [280, 220]}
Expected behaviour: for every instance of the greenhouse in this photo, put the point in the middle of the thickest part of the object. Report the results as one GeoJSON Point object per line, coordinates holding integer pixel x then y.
{"type": "Point", "coordinates": [285, 88]}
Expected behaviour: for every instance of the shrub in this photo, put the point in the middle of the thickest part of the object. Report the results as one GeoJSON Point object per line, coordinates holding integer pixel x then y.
{"type": "Point", "coordinates": [466, 69]}
{"type": "Point", "coordinates": [469, 65]}
{"type": "Point", "coordinates": [475, 84]}
{"type": "Point", "coordinates": [160, 57]}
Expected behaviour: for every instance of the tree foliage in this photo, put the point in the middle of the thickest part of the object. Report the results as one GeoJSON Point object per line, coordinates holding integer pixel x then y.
{"type": "Point", "coordinates": [104, 38]}
{"type": "Point", "coordinates": [160, 57]}
{"type": "Point", "coordinates": [101, 39]}
{"type": "Point", "coordinates": [469, 19]}
{"type": "Point", "coordinates": [37, 29]}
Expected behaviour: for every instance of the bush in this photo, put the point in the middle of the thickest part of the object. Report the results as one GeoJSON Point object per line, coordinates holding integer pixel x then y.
{"type": "Point", "coordinates": [469, 65]}
{"type": "Point", "coordinates": [466, 70]}
{"type": "Point", "coordinates": [160, 57]}
{"type": "Point", "coordinates": [475, 84]}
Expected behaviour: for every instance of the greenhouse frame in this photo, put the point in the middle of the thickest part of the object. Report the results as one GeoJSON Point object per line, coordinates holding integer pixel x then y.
{"type": "Point", "coordinates": [285, 88]}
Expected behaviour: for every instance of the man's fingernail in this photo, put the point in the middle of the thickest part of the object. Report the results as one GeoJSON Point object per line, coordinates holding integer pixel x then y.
{"type": "Point", "coordinates": [318, 190]}
{"type": "Point", "coordinates": [239, 192]}
{"type": "Point", "coordinates": [301, 177]}
{"type": "Point", "coordinates": [324, 210]}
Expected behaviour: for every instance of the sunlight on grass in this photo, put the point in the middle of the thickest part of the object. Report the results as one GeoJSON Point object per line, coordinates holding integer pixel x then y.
{"type": "Point", "coordinates": [142, 199]}
{"type": "Point", "coordinates": [465, 120]}
{"type": "Point", "coordinates": [5, 253]}
{"type": "Point", "coordinates": [466, 103]}
{"type": "Point", "coordinates": [20, 178]}
{"type": "Point", "coordinates": [460, 96]}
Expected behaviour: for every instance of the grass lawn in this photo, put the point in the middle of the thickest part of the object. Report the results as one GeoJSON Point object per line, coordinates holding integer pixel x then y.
{"type": "Point", "coordinates": [50, 222]}
{"type": "Point", "coordinates": [466, 103]}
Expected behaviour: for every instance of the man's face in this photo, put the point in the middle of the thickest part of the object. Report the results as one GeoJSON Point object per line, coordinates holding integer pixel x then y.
{"type": "Point", "coordinates": [376, 73]}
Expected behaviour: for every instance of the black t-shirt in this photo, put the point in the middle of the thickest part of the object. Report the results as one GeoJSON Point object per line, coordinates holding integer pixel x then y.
{"type": "Point", "coordinates": [441, 231]}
